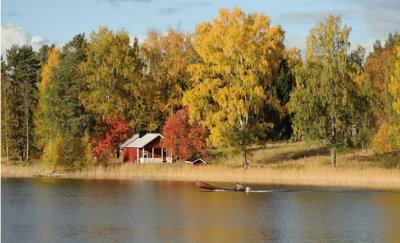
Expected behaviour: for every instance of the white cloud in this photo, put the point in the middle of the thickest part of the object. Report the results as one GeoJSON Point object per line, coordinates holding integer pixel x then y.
{"type": "Point", "coordinates": [38, 41]}
{"type": "Point", "coordinates": [304, 17]}
{"type": "Point", "coordinates": [11, 34]}
{"type": "Point", "coordinates": [382, 16]}
{"type": "Point", "coordinates": [15, 35]}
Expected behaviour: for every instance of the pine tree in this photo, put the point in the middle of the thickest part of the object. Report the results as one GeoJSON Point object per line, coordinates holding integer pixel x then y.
{"type": "Point", "coordinates": [64, 117]}
{"type": "Point", "coordinates": [6, 111]}
{"type": "Point", "coordinates": [22, 70]}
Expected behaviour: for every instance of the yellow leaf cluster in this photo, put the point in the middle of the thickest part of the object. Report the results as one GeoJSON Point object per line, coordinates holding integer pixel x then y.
{"type": "Point", "coordinates": [382, 142]}
{"type": "Point", "coordinates": [240, 55]}
{"type": "Point", "coordinates": [168, 57]}
{"type": "Point", "coordinates": [109, 72]}
{"type": "Point", "coordinates": [42, 127]}
{"type": "Point", "coordinates": [52, 61]}
{"type": "Point", "coordinates": [394, 85]}
{"type": "Point", "coordinates": [394, 89]}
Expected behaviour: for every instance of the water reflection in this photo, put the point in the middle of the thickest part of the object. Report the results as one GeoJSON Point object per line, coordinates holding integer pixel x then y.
{"type": "Point", "coordinates": [53, 210]}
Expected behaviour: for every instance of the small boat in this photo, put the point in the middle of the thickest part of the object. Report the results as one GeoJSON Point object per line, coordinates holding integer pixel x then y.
{"type": "Point", "coordinates": [208, 187]}
{"type": "Point", "coordinates": [205, 186]}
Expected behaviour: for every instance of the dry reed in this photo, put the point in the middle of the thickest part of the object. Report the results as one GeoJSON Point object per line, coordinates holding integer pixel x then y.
{"type": "Point", "coordinates": [313, 175]}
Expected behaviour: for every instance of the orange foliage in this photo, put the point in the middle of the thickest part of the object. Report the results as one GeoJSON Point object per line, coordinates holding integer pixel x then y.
{"type": "Point", "coordinates": [182, 139]}
{"type": "Point", "coordinates": [110, 134]}
{"type": "Point", "coordinates": [375, 75]}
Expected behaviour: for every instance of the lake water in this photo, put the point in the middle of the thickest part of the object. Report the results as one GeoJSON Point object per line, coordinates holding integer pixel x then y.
{"type": "Point", "coordinates": [61, 210]}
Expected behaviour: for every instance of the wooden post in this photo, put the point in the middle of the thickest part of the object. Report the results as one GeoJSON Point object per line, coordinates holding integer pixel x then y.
{"type": "Point", "coordinates": [143, 154]}
{"type": "Point", "coordinates": [137, 155]}
{"type": "Point", "coordinates": [162, 155]}
{"type": "Point", "coordinates": [152, 154]}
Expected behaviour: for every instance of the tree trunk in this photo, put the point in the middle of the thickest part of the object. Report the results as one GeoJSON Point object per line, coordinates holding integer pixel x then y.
{"type": "Point", "coordinates": [27, 134]}
{"type": "Point", "coordinates": [26, 100]}
{"type": "Point", "coordinates": [21, 153]}
{"type": "Point", "coordinates": [333, 157]}
{"type": "Point", "coordinates": [333, 144]}
{"type": "Point", "coordinates": [244, 159]}
{"type": "Point", "coordinates": [6, 137]}
{"type": "Point", "coordinates": [7, 124]}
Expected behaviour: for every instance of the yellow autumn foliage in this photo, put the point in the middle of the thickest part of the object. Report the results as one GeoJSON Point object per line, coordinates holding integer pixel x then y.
{"type": "Point", "coordinates": [167, 57]}
{"type": "Point", "coordinates": [382, 142]}
{"type": "Point", "coordinates": [52, 61]}
{"type": "Point", "coordinates": [394, 85]}
{"type": "Point", "coordinates": [240, 56]}
{"type": "Point", "coordinates": [394, 89]}
{"type": "Point", "coordinates": [41, 124]}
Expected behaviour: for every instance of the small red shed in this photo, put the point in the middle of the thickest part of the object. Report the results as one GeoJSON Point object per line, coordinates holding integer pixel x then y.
{"type": "Point", "coordinates": [145, 149]}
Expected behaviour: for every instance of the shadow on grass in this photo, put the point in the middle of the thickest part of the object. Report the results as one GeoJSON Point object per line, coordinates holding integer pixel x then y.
{"type": "Point", "coordinates": [294, 155]}
{"type": "Point", "coordinates": [214, 153]}
{"type": "Point", "coordinates": [389, 160]}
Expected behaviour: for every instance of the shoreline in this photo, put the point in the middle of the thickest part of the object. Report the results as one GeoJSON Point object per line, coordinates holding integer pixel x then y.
{"type": "Point", "coordinates": [318, 176]}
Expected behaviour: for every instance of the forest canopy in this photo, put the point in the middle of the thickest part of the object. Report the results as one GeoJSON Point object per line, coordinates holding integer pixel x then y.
{"type": "Point", "coordinates": [232, 81]}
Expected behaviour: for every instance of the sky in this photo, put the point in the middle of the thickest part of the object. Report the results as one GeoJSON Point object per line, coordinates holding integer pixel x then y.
{"type": "Point", "coordinates": [39, 22]}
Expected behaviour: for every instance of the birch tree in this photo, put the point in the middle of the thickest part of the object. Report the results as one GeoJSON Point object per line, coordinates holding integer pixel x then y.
{"type": "Point", "coordinates": [167, 58]}
{"type": "Point", "coordinates": [239, 56]}
{"type": "Point", "coordinates": [112, 76]}
{"type": "Point", "coordinates": [322, 102]}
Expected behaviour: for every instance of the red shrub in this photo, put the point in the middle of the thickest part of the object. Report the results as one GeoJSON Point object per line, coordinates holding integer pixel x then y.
{"type": "Point", "coordinates": [109, 134]}
{"type": "Point", "coordinates": [182, 139]}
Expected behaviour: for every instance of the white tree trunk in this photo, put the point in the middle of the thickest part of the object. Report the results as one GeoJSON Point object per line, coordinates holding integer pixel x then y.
{"type": "Point", "coordinates": [244, 159]}
{"type": "Point", "coordinates": [333, 157]}
{"type": "Point", "coordinates": [333, 144]}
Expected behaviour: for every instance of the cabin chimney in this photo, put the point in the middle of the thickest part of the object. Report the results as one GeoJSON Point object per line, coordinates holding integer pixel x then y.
{"type": "Point", "coordinates": [141, 133]}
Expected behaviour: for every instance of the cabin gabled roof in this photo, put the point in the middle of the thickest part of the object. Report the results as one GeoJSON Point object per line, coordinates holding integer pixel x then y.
{"type": "Point", "coordinates": [143, 141]}
{"type": "Point", "coordinates": [194, 160]}
{"type": "Point", "coordinates": [129, 140]}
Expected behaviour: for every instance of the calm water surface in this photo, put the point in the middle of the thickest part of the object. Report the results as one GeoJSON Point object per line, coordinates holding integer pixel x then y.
{"type": "Point", "coordinates": [57, 210]}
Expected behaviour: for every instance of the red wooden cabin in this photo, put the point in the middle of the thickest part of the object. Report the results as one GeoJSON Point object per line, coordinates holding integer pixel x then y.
{"type": "Point", "coordinates": [144, 149]}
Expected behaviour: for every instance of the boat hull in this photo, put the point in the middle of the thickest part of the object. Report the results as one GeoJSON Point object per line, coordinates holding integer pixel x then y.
{"type": "Point", "coordinates": [208, 187]}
